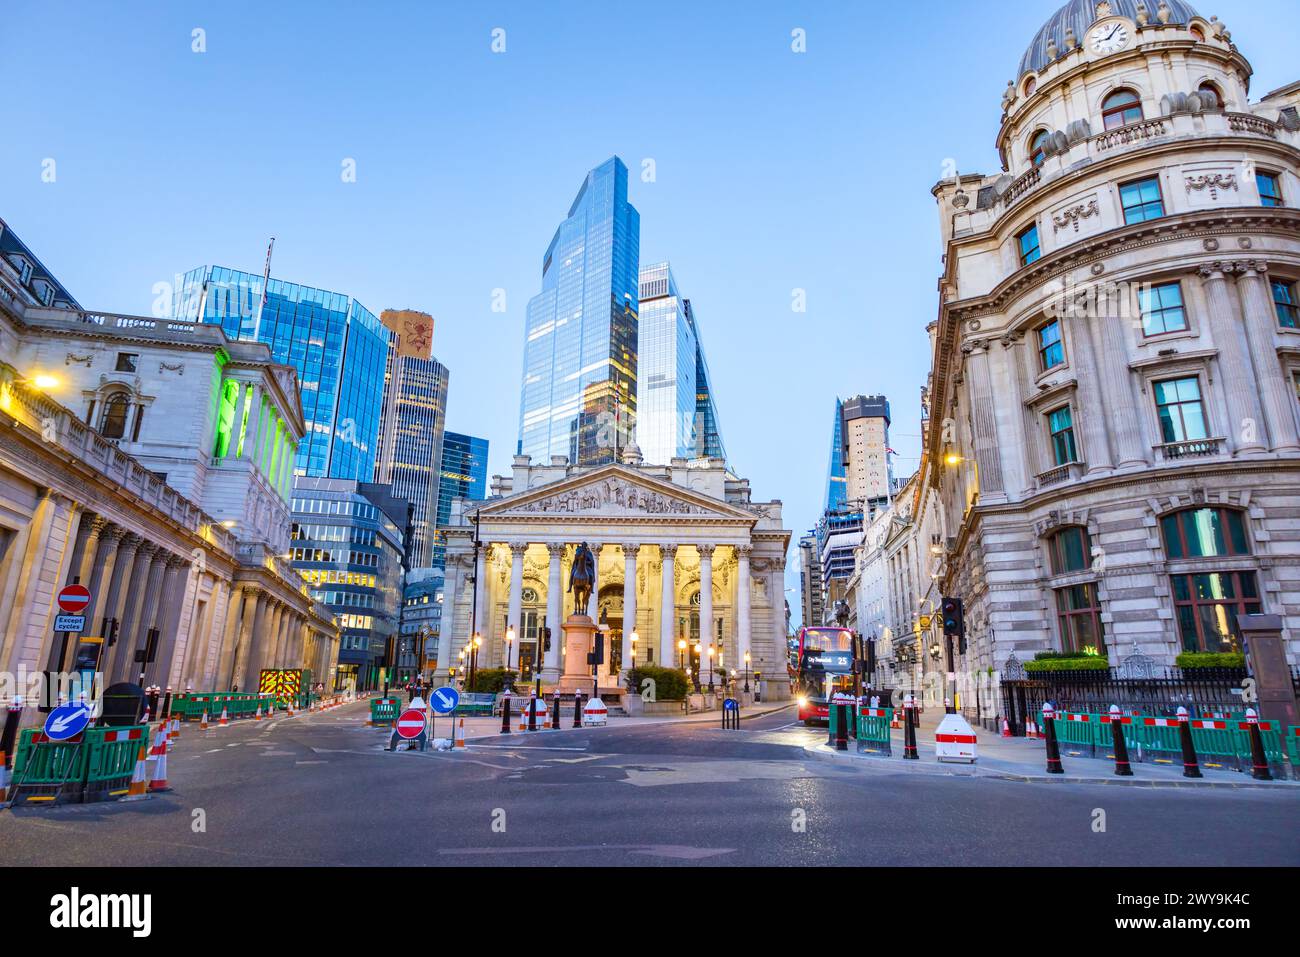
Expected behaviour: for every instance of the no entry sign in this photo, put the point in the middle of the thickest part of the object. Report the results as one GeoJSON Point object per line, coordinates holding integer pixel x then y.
{"type": "Point", "coordinates": [73, 599]}
{"type": "Point", "coordinates": [410, 723]}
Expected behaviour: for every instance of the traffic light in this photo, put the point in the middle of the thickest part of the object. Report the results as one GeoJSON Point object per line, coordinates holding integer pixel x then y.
{"type": "Point", "coordinates": [600, 648]}
{"type": "Point", "coordinates": [954, 623]}
{"type": "Point", "coordinates": [546, 637]}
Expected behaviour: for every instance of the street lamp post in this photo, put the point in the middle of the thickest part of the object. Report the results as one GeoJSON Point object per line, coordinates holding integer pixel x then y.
{"type": "Point", "coordinates": [510, 640]}
{"type": "Point", "coordinates": [681, 653]}
{"type": "Point", "coordinates": [746, 671]}
{"type": "Point", "coordinates": [710, 657]}
{"type": "Point", "coordinates": [633, 638]}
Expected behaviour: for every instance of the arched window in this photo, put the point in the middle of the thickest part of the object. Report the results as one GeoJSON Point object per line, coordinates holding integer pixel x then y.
{"type": "Point", "coordinates": [1037, 148]}
{"type": "Point", "coordinates": [116, 407]}
{"type": "Point", "coordinates": [1211, 98]}
{"type": "Point", "coordinates": [1120, 108]}
{"type": "Point", "coordinates": [1204, 533]}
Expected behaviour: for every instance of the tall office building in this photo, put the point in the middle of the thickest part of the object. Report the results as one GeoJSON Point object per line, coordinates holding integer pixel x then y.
{"type": "Point", "coordinates": [338, 346]}
{"type": "Point", "coordinates": [865, 437]}
{"type": "Point", "coordinates": [463, 475]}
{"type": "Point", "coordinates": [410, 444]}
{"type": "Point", "coordinates": [578, 397]}
{"type": "Point", "coordinates": [837, 492]}
{"type": "Point", "coordinates": [676, 414]}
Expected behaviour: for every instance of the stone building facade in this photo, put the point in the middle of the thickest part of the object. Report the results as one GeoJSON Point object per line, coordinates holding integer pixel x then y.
{"type": "Point", "coordinates": [659, 534]}
{"type": "Point", "coordinates": [1117, 352]}
{"type": "Point", "coordinates": [127, 464]}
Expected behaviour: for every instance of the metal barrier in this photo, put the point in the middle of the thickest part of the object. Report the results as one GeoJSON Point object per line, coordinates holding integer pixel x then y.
{"type": "Point", "coordinates": [97, 766]}
{"type": "Point", "coordinates": [1220, 743]}
{"type": "Point", "coordinates": [873, 730]}
{"type": "Point", "coordinates": [384, 710]}
{"type": "Point", "coordinates": [1293, 749]}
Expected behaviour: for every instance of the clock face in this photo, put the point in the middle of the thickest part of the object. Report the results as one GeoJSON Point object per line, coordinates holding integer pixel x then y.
{"type": "Point", "coordinates": [1109, 37]}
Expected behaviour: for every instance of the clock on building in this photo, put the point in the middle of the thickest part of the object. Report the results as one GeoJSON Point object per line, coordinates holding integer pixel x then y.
{"type": "Point", "coordinates": [1109, 37]}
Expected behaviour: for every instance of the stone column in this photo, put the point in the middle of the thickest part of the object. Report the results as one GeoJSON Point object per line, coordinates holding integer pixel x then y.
{"type": "Point", "coordinates": [252, 645]}
{"type": "Point", "coordinates": [776, 673]}
{"type": "Point", "coordinates": [91, 528]}
{"type": "Point", "coordinates": [238, 606]}
{"type": "Point", "coordinates": [554, 611]}
{"type": "Point", "coordinates": [593, 600]}
{"type": "Point", "coordinates": [1245, 432]}
{"type": "Point", "coordinates": [447, 623]}
{"type": "Point", "coordinates": [1261, 331]}
{"type": "Point", "coordinates": [515, 610]}
{"type": "Point", "coordinates": [1011, 364]}
{"type": "Point", "coordinates": [630, 550]}
{"type": "Point", "coordinates": [127, 669]}
{"type": "Point", "coordinates": [744, 594]}
{"type": "Point", "coordinates": [28, 548]}
{"type": "Point", "coordinates": [480, 623]}
{"type": "Point", "coordinates": [123, 592]}
{"type": "Point", "coordinates": [1117, 390]}
{"type": "Point", "coordinates": [1096, 447]}
{"type": "Point", "coordinates": [667, 602]}
{"type": "Point", "coordinates": [101, 574]}
{"type": "Point", "coordinates": [706, 600]}
{"type": "Point", "coordinates": [175, 586]}
{"type": "Point", "coordinates": [984, 424]}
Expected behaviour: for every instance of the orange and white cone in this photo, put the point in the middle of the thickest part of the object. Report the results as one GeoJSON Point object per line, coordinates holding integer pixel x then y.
{"type": "Point", "coordinates": [224, 720]}
{"type": "Point", "coordinates": [203, 721]}
{"type": "Point", "coordinates": [158, 781]}
{"type": "Point", "coordinates": [1031, 729]}
{"type": "Point", "coordinates": [140, 779]}
{"type": "Point", "coordinates": [459, 740]}
{"type": "Point", "coordinates": [290, 707]}
{"type": "Point", "coordinates": [258, 715]}
{"type": "Point", "coordinates": [173, 729]}
{"type": "Point", "coordinates": [1006, 728]}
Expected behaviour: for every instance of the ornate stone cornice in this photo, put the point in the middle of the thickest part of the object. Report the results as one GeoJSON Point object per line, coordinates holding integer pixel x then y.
{"type": "Point", "coordinates": [706, 551]}
{"type": "Point", "coordinates": [667, 551]}
{"type": "Point", "coordinates": [630, 549]}
{"type": "Point", "coordinates": [1072, 216]}
{"type": "Point", "coordinates": [1213, 182]}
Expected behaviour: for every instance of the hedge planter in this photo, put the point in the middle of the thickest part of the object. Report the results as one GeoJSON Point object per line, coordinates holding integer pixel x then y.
{"type": "Point", "coordinates": [1089, 663]}
{"type": "Point", "coordinates": [1198, 660]}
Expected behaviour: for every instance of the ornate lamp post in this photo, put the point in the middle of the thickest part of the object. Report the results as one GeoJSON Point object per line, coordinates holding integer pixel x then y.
{"type": "Point", "coordinates": [746, 671]}
{"type": "Point", "coordinates": [510, 640]}
{"type": "Point", "coordinates": [633, 638]}
{"type": "Point", "coordinates": [710, 657]}
{"type": "Point", "coordinates": [681, 653]}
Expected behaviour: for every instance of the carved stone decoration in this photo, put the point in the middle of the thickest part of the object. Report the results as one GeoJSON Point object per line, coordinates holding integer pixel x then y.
{"type": "Point", "coordinates": [1013, 670]}
{"type": "Point", "coordinates": [1138, 665]}
{"type": "Point", "coordinates": [611, 495]}
{"type": "Point", "coordinates": [79, 359]}
{"type": "Point", "coordinates": [1211, 245]}
{"type": "Point", "coordinates": [1071, 216]}
{"type": "Point", "coordinates": [177, 367]}
{"type": "Point", "coordinates": [1213, 182]}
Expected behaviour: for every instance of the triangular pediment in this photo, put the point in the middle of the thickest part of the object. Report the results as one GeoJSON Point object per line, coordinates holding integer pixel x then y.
{"type": "Point", "coordinates": [613, 491]}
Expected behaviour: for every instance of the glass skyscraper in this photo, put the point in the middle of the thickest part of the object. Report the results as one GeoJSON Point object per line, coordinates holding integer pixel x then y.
{"type": "Point", "coordinates": [338, 346]}
{"type": "Point", "coordinates": [579, 391]}
{"type": "Point", "coordinates": [410, 444]}
{"type": "Point", "coordinates": [463, 475]}
{"type": "Point", "coordinates": [837, 482]}
{"type": "Point", "coordinates": [676, 413]}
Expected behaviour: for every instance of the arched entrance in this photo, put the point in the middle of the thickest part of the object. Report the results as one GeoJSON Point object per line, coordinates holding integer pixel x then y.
{"type": "Point", "coordinates": [609, 615]}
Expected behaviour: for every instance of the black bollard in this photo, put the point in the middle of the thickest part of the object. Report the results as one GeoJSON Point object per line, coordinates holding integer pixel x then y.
{"type": "Point", "coordinates": [909, 729]}
{"type": "Point", "coordinates": [1191, 769]}
{"type": "Point", "coordinates": [505, 714]}
{"type": "Point", "coordinates": [1053, 748]}
{"type": "Point", "coordinates": [167, 705]}
{"type": "Point", "coordinates": [532, 713]}
{"type": "Point", "coordinates": [7, 737]}
{"type": "Point", "coordinates": [841, 726]}
{"type": "Point", "coordinates": [1122, 767]}
{"type": "Point", "coordinates": [555, 710]}
{"type": "Point", "coordinates": [1258, 761]}
{"type": "Point", "coordinates": [577, 709]}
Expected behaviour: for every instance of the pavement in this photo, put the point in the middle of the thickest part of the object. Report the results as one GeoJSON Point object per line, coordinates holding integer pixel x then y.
{"type": "Point", "coordinates": [322, 790]}
{"type": "Point", "coordinates": [1025, 760]}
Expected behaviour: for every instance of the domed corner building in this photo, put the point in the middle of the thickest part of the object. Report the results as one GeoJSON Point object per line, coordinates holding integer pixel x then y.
{"type": "Point", "coordinates": [1114, 413]}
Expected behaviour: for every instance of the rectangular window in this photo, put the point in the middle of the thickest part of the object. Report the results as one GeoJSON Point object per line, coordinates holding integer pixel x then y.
{"type": "Point", "coordinates": [1208, 607]}
{"type": "Point", "coordinates": [1181, 412]}
{"type": "Point", "coordinates": [1051, 352]}
{"type": "Point", "coordinates": [1070, 550]}
{"type": "Point", "coordinates": [1028, 242]}
{"type": "Point", "coordinates": [1141, 200]}
{"type": "Point", "coordinates": [1078, 612]}
{"type": "Point", "coordinates": [127, 361]}
{"type": "Point", "coordinates": [1270, 189]}
{"type": "Point", "coordinates": [1284, 303]}
{"type": "Point", "coordinates": [1060, 425]}
{"type": "Point", "coordinates": [1162, 309]}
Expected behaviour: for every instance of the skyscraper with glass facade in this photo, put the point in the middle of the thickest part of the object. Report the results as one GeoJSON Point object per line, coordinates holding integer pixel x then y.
{"type": "Point", "coordinates": [837, 487]}
{"type": "Point", "coordinates": [338, 346]}
{"type": "Point", "coordinates": [579, 391]}
{"type": "Point", "coordinates": [410, 444]}
{"type": "Point", "coordinates": [676, 413]}
{"type": "Point", "coordinates": [463, 475]}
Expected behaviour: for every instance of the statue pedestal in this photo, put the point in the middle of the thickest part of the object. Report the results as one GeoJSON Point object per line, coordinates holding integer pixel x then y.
{"type": "Point", "coordinates": [578, 642]}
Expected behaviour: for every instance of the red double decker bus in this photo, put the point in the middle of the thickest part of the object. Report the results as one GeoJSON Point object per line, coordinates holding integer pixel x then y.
{"type": "Point", "coordinates": [822, 665]}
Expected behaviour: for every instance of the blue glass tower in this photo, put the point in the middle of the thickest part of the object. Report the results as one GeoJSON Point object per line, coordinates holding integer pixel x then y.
{"type": "Point", "coordinates": [339, 348]}
{"type": "Point", "coordinates": [578, 396]}
{"type": "Point", "coordinates": [837, 482]}
{"type": "Point", "coordinates": [463, 475]}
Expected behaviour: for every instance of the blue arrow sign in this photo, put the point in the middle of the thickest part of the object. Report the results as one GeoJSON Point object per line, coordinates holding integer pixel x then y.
{"type": "Point", "coordinates": [67, 721]}
{"type": "Point", "coordinates": [444, 700]}
{"type": "Point", "coordinates": [730, 704]}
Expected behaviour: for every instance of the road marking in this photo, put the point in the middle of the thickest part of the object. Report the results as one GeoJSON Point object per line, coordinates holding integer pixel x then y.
{"type": "Point", "coordinates": [311, 762]}
{"type": "Point", "coordinates": [676, 851]}
{"type": "Point", "coordinates": [589, 757]}
{"type": "Point", "coordinates": [524, 747]}
{"type": "Point", "coordinates": [276, 754]}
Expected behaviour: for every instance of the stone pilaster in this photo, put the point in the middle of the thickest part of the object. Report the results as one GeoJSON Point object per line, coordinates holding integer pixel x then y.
{"type": "Point", "coordinates": [1279, 401]}
{"type": "Point", "coordinates": [1245, 432]}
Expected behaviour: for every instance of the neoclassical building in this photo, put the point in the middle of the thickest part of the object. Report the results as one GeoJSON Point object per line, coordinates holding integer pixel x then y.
{"type": "Point", "coordinates": [149, 460]}
{"type": "Point", "coordinates": [684, 556]}
{"type": "Point", "coordinates": [1114, 427]}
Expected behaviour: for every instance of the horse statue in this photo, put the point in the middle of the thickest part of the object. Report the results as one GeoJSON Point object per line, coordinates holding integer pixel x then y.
{"type": "Point", "coordinates": [582, 578]}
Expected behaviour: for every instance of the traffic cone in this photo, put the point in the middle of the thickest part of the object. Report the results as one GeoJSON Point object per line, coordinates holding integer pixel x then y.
{"type": "Point", "coordinates": [224, 720]}
{"type": "Point", "coordinates": [258, 715]}
{"type": "Point", "coordinates": [1031, 729]}
{"type": "Point", "coordinates": [1006, 727]}
{"type": "Point", "coordinates": [158, 782]}
{"type": "Point", "coordinates": [4, 780]}
{"type": "Point", "coordinates": [203, 721]}
{"type": "Point", "coordinates": [140, 779]}
{"type": "Point", "coordinates": [174, 731]}
{"type": "Point", "coordinates": [459, 741]}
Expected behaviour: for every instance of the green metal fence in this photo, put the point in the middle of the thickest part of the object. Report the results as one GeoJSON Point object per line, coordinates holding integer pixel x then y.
{"type": "Point", "coordinates": [384, 710]}
{"type": "Point", "coordinates": [1225, 744]}
{"type": "Point", "coordinates": [873, 731]}
{"type": "Point", "coordinates": [100, 764]}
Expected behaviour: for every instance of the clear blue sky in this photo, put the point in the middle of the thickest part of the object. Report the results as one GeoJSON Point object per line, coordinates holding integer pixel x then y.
{"type": "Point", "coordinates": [775, 171]}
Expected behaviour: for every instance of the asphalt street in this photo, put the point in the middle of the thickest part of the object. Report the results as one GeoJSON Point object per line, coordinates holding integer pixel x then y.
{"type": "Point", "coordinates": [321, 789]}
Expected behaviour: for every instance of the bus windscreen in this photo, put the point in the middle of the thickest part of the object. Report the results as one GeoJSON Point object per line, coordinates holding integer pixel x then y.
{"type": "Point", "coordinates": [827, 639]}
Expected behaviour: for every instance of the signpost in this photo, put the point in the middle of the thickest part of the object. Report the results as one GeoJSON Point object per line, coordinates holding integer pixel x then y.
{"type": "Point", "coordinates": [73, 599]}
{"type": "Point", "coordinates": [442, 701]}
{"type": "Point", "coordinates": [69, 622]}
